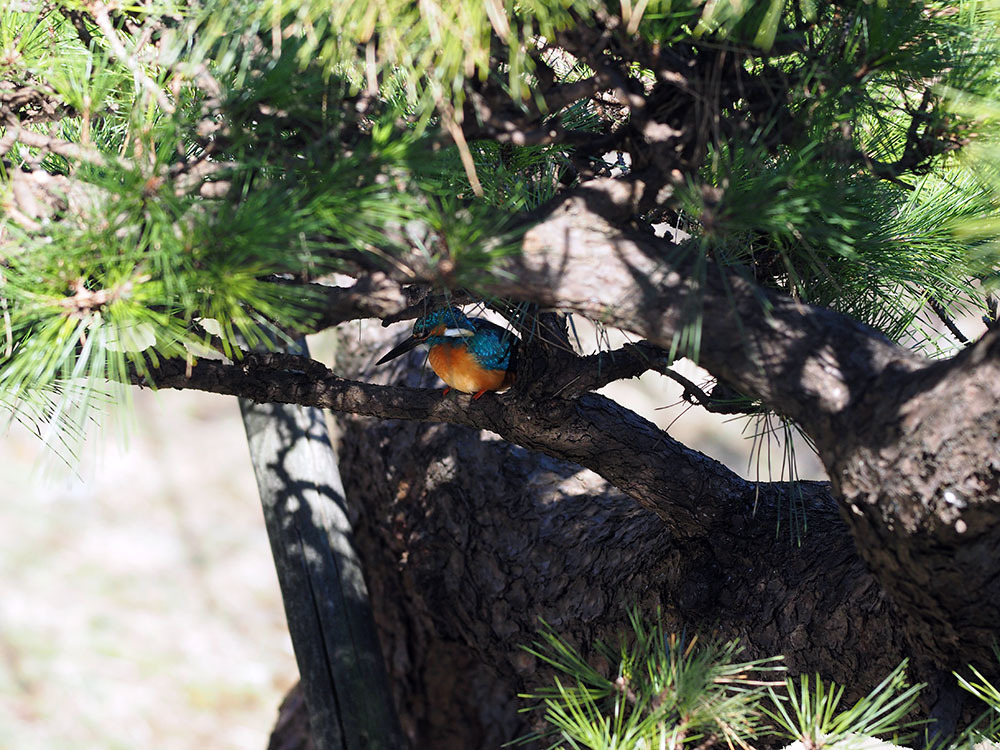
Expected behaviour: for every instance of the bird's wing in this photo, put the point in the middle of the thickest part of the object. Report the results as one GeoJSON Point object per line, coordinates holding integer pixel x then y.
{"type": "Point", "coordinates": [501, 333]}
{"type": "Point", "coordinates": [498, 346]}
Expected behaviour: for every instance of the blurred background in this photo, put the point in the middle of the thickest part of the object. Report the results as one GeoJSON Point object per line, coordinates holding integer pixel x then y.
{"type": "Point", "coordinates": [139, 606]}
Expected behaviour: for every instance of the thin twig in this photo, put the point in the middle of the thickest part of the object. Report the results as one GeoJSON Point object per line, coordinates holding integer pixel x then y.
{"type": "Point", "coordinates": [939, 310]}
{"type": "Point", "coordinates": [992, 317]}
{"type": "Point", "coordinates": [465, 154]}
{"type": "Point", "coordinates": [59, 147]}
{"type": "Point", "coordinates": [371, 69]}
{"type": "Point", "coordinates": [103, 21]}
{"type": "Point", "coordinates": [7, 326]}
{"type": "Point", "coordinates": [633, 22]}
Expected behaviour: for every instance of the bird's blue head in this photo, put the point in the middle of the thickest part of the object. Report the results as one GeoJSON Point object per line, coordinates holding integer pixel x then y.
{"type": "Point", "coordinates": [433, 328]}
{"type": "Point", "coordinates": [439, 320]}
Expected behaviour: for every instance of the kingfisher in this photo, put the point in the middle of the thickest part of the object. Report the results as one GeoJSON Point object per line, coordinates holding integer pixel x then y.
{"type": "Point", "coordinates": [471, 355]}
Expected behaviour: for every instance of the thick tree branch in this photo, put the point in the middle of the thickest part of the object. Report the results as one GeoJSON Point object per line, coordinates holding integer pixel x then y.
{"type": "Point", "coordinates": [595, 371]}
{"type": "Point", "coordinates": [808, 363]}
{"type": "Point", "coordinates": [373, 295]}
{"type": "Point", "coordinates": [921, 483]}
{"type": "Point", "coordinates": [681, 485]}
{"type": "Point", "coordinates": [870, 405]}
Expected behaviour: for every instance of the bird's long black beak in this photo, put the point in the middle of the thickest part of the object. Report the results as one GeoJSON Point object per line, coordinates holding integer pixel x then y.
{"type": "Point", "coordinates": [402, 348]}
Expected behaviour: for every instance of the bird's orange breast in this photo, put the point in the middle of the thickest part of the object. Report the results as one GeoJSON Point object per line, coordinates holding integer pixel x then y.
{"type": "Point", "coordinates": [456, 366]}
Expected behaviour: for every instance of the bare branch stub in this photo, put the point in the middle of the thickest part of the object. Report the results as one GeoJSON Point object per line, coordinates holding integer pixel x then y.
{"type": "Point", "coordinates": [373, 295]}
{"type": "Point", "coordinates": [949, 322]}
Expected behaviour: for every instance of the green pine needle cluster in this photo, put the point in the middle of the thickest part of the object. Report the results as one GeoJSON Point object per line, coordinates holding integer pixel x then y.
{"type": "Point", "coordinates": [661, 691]}
{"type": "Point", "coordinates": [205, 161]}
{"type": "Point", "coordinates": [985, 730]}
{"type": "Point", "coordinates": [666, 692]}
{"type": "Point", "coordinates": [810, 711]}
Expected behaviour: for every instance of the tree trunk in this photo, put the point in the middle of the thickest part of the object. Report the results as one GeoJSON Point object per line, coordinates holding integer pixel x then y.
{"type": "Point", "coordinates": [909, 442]}
{"type": "Point", "coordinates": [322, 585]}
{"type": "Point", "coordinates": [468, 541]}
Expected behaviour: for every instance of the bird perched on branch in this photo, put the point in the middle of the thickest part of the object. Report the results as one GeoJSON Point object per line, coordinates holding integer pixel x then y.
{"type": "Point", "coordinates": [471, 355]}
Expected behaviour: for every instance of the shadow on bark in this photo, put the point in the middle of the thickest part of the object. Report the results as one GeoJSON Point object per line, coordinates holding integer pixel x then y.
{"type": "Point", "coordinates": [467, 540]}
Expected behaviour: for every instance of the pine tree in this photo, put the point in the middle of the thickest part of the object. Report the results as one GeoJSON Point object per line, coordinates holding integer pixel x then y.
{"type": "Point", "coordinates": [190, 185]}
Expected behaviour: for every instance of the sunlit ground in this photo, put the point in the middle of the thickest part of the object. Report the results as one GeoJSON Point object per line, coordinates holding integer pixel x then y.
{"type": "Point", "coordinates": [762, 450]}
{"type": "Point", "coordinates": [139, 607]}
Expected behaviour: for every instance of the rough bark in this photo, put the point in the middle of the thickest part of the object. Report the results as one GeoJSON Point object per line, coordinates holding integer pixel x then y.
{"type": "Point", "coordinates": [910, 444]}
{"type": "Point", "coordinates": [906, 440]}
{"type": "Point", "coordinates": [326, 602]}
{"type": "Point", "coordinates": [921, 482]}
{"type": "Point", "coordinates": [468, 540]}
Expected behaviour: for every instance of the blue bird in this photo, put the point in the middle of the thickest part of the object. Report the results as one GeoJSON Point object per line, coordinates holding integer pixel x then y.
{"type": "Point", "coordinates": [471, 355]}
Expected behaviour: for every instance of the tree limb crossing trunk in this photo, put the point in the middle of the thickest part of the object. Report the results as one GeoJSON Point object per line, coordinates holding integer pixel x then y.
{"type": "Point", "coordinates": [326, 600]}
